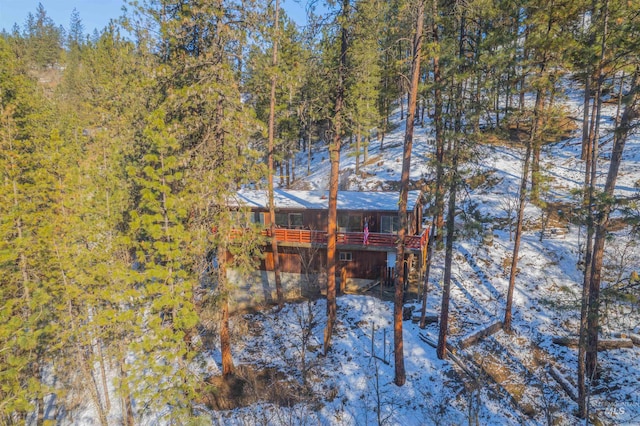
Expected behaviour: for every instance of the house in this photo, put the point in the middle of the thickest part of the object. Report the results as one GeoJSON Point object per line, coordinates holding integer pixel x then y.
{"type": "Point", "coordinates": [368, 223]}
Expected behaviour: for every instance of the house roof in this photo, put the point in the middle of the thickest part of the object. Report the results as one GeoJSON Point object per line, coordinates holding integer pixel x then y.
{"type": "Point", "coordinates": [319, 200]}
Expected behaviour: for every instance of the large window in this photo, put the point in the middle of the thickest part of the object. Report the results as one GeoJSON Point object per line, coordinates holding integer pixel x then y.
{"type": "Point", "coordinates": [289, 220]}
{"type": "Point", "coordinates": [295, 220]}
{"type": "Point", "coordinates": [389, 224]}
{"type": "Point", "coordinates": [282, 220]}
{"type": "Point", "coordinates": [350, 222]}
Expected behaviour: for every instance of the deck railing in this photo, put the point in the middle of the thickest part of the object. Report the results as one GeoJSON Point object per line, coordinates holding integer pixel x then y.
{"type": "Point", "coordinates": [305, 236]}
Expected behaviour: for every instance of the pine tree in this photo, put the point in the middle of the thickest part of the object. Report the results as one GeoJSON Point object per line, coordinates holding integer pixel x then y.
{"type": "Point", "coordinates": [338, 122]}
{"type": "Point", "coordinates": [365, 73]}
{"type": "Point", "coordinates": [193, 155]}
{"type": "Point", "coordinates": [43, 39]}
{"type": "Point", "coordinates": [30, 288]}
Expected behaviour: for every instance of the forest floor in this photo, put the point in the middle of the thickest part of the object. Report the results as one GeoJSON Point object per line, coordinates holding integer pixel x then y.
{"type": "Point", "coordinates": [518, 378]}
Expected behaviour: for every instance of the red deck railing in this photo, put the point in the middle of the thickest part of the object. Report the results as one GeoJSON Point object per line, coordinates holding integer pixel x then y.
{"type": "Point", "coordinates": [305, 236]}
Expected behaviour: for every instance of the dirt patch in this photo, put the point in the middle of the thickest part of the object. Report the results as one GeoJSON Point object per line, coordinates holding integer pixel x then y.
{"type": "Point", "coordinates": [249, 386]}
{"type": "Point", "coordinates": [516, 131]}
{"type": "Point", "coordinates": [561, 213]}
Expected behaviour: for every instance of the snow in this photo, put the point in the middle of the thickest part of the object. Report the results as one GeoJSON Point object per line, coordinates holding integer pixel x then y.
{"type": "Point", "coordinates": [319, 200]}
{"type": "Point", "coordinates": [350, 383]}
{"type": "Point", "coordinates": [351, 369]}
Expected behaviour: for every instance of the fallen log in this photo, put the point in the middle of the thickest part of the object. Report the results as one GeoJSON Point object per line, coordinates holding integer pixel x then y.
{"type": "Point", "coordinates": [564, 383]}
{"type": "Point", "coordinates": [451, 353]}
{"type": "Point", "coordinates": [635, 338]}
{"type": "Point", "coordinates": [478, 335]}
{"type": "Point", "coordinates": [603, 344]}
{"type": "Point", "coordinates": [428, 318]}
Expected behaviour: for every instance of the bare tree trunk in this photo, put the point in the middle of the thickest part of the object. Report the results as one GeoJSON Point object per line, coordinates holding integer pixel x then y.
{"type": "Point", "coordinates": [225, 340]}
{"type": "Point", "coordinates": [287, 171]}
{"type": "Point", "coordinates": [437, 119]}
{"type": "Point", "coordinates": [441, 350]}
{"type": "Point", "coordinates": [586, 360]}
{"type": "Point", "coordinates": [366, 149]}
{"type": "Point", "coordinates": [309, 148]}
{"type": "Point", "coordinates": [585, 116]}
{"type": "Point", "coordinates": [453, 185]}
{"type": "Point", "coordinates": [619, 105]}
{"type": "Point", "coordinates": [400, 375]}
{"type": "Point", "coordinates": [358, 150]}
{"type": "Point", "coordinates": [271, 136]}
{"type": "Point", "coordinates": [334, 154]}
{"type": "Point", "coordinates": [103, 374]}
{"type": "Point", "coordinates": [225, 336]}
{"type": "Point", "coordinates": [125, 392]}
{"type": "Point", "coordinates": [425, 285]}
{"type": "Point", "coordinates": [522, 201]}
{"type": "Point", "coordinates": [631, 114]}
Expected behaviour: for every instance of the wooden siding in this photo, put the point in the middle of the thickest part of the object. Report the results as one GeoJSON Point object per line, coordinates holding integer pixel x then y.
{"type": "Point", "coordinates": [299, 261]}
{"type": "Point", "coordinates": [363, 264]}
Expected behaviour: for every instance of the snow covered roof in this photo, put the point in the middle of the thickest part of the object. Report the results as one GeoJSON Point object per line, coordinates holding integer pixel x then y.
{"type": "Point", "coordinates": [303, 200]}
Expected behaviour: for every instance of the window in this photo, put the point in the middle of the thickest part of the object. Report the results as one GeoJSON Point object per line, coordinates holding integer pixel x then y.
{"type": "Point", "coordinates": [389, 224]}
{"type": "Point", "coordinates": [258, 217]}
{"type": "Point", "coordinates": [282, 220]}
{"type": "Point", "coordinates": [295, 220]}
{"type": "Point", "coordinates": [289, 220]}
{"type": "Point", "coordinates": [345, 256]}
{"type": "Point", "coordinates": [350, 223]}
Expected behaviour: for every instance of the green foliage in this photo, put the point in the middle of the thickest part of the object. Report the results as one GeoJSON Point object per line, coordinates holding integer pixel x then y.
{"type": "Point", "coordinates": [30, 310]}
{"type": "Point", "coordinates": [118, 158]}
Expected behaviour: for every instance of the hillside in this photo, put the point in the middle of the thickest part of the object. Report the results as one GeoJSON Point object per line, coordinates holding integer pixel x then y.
{"type": "Point", "coordinates": [511, 377]}
{"type": "Point", "coordinates": [504, 379]}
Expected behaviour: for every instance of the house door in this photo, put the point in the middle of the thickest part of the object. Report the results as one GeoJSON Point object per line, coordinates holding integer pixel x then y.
{"type": "Point", "coordinates": [391, 259]}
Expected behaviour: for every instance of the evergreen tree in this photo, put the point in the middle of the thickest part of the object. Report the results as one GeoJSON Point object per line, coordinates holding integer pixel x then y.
{"type": "Point", "coordinates": [43, 39]}
{"type": "Point", "coordinates": [31, 289]}
{"type": "Point", "coordinates": [365, 74]}
{"type": "Point", "coordinates": [400, 375]}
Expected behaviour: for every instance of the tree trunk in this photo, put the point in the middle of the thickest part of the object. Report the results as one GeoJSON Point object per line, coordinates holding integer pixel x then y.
{"type": "Point", "coordinates": [631, 114]}
{"type": "Point", "coordinates": [441, 350]}
{"type": "Point", "coordinates": [125, 392]}
{"type": "Point", "coordinates": [437, 120]}
{"type": "Point", "coordinates": [587, 347]}
{"type": "Point", "coordinates": [366, 149]}
{"type": "Point", "coordinates": [585, 115]}
{"type": "Point", "coordinates": [309, 149]}
{"type": "Point", "coordinates": [90, 382]}
{"type": "Point", "coordinates": [225, 335]}
{"type": "Point", "coordinates": [358, 151]}
{"type": "Point", "coordinates": [287, 169]}
{"type": "Point", "coordinates": [522, 201]}
{"type": "Point", "coordinates": [425, 285]}
{"type": "Point", "coordinates": [103, 375]}
{"type": "Point", "coordinates": [400, 375]}
{"type": "Point", "coordinates": [271, 137]}
{"type": "Point", "coordinates": [334, 154]}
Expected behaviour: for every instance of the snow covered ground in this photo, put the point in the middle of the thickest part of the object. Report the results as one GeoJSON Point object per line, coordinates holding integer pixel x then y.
{"type": "Point", "coordinates": [510, 376]}
{"type": "Point", "coordinates": [516, 385]}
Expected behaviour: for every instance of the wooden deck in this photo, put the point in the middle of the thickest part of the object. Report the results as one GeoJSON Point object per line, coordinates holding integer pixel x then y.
{"type": "Point", "coordinates": [375, 240]}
